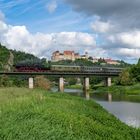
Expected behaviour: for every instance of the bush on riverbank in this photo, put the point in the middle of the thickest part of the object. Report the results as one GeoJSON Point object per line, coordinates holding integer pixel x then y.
{"type": "Point", "coordinates": [33, 114]}
{"type": "Point", "coordinates": [130, 90]}
{"type": "Point", "coordinates": [42, 82]}
{"type": "Point", "coordinates": [13, 81]}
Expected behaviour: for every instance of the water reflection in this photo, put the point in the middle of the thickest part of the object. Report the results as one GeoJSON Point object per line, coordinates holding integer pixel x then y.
{"type": "Point", "coordinates": [75, 92]}
{"type": "Point", "coordinates": [116, 97]}
{"type": "Point", "coordinates": [124, 107]}
{"type": "Point", "coordinates": [126, 111]}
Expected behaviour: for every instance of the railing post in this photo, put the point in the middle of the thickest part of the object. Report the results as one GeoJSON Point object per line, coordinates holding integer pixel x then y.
{"type": "Point", "coordinates": [86, 88]}
{"type": "Point", "coordinates": [61, 84]}
{"type": "Point", "coordinates": [31, 83]}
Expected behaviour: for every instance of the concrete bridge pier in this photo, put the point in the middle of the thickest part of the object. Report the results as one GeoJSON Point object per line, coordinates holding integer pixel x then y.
{"type": "Point", "coordinates": [108, 81]}
{"type": "Point", "coordinates": [31, 83]}
{"type": "Point", "coordinates": [61, 84]}
{"type": "Point", "coordinates": [109, 97]}
{"type": "Point", "coordinates": [86, 88]}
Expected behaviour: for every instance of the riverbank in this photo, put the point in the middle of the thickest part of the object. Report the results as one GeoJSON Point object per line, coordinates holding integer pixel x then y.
{"type": "Point", "coordinates": [129, 90]}
{"type": "Point", "coordinates": [37, 114]}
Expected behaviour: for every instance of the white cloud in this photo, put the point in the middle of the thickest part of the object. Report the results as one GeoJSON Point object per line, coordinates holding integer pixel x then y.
{"type": "Point", "coordinates": [42, 45]}
{"type": "Point", "coordinates": [102, 27]}
{"type": "Point", "coordinates": [134, 53]}
{"type": "Point", "coordinates": [130, 38]}
{"type": "Point", "coordinates": [74, 38]}
{"type": "Point", "coordinates": [3, 27]}
{"type": "Point", "coordinates": [17, 37]}
{"type": "Point", "coordinates": [125, 45]}
{"type": "Point", "coordinates": [51, 7]}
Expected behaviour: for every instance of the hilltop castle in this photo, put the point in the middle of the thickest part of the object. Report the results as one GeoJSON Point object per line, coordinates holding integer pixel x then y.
{"type": "Point", "coordinates": [71, 55]}
{"type": "Point", "coordinates": [67, 55]}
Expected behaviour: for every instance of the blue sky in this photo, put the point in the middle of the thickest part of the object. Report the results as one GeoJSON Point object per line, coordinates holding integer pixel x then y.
{"type": "Point", "coordinates": [103, 29]}
{"type": "Point", "coordinates": [36, 17]}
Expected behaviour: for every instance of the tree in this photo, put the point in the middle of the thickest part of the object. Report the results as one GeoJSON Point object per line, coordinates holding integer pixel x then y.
{"type": "Point", "coordinates": [125, 78]}
{"type": "Point", "coordinates": [135, 71]}
{"type": "Point", "coordinates": [138, 64]}
{"type": "Point", "coordinates": [5, 81]}
{"type": "Point", "coordinates": [94, 81]}
{"type": "Point", "coordinates": [72, 81]}
{"type": "Point", "coordinates": [83, 62]}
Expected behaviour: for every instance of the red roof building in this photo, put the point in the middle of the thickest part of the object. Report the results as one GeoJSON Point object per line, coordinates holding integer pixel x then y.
{"type": "Point", "coordinates": [110, 61]}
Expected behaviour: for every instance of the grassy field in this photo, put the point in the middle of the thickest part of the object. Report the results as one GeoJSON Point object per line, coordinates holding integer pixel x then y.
{"type": "Point", "coordinates": [38, 115]}
{"type": "Point", "coordinates": [129, 90]}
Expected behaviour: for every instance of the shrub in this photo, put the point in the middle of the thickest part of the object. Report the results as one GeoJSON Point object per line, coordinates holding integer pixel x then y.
{"type": "Point", "coordinates": [42, 82]}
{"type": "Point", "coordinates": [5, 81]}
{"type": "Point", "coordinates": [125, 78]}
{"type": "Point", "coordinates": [72, 81]}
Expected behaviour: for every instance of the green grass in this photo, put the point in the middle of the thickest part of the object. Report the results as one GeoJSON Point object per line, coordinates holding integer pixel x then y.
{"type": "Point", "coordinates": [129, 90]}
{"type": "Point", "coordinates": [38, 115]}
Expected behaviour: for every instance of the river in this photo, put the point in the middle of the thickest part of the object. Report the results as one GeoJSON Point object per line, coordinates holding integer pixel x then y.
{"type": "Point", "coordinates": [124, 107]}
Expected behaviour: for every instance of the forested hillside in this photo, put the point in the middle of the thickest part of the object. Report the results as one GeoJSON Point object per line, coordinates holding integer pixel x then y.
{"type": "Point", "coordinates": [10, 57]}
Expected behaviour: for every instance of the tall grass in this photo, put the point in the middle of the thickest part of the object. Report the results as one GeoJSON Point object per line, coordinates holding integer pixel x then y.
{"type": "Point", "coordinates": [38, 115]}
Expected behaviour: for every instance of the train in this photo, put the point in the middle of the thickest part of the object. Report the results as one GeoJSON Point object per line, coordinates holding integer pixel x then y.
{"type": "Point", "coordinates": [66, 68]}
{"type": "Point", "coordinates": [85, 69]}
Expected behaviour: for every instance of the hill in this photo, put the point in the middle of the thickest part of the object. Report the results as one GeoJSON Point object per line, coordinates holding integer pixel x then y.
{"type": "Point", "coordinates": [10, 57]}
{"type": "Point", "coordinates": [87, 62]}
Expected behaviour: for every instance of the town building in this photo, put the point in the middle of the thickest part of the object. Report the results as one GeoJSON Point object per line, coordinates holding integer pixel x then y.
{"type": "Point", "coordinates": [111, 62]}
{"type": "Point", "coordinates": [69, 55]}
{"type": "Point", "coordinates": [106, 61]}
{"type": "Point", "coordinates": [95, 60]}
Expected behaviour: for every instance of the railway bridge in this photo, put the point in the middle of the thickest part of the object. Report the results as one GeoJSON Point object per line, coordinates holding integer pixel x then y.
{"type": "Point", "coordinates": [61, 75]}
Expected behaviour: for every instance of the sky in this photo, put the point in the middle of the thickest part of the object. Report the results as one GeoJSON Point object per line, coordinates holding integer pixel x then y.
{"type": "Point", "coordinates": [103, 28]}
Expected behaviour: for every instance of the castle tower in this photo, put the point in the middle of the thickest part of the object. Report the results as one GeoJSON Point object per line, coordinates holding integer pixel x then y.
{"type": "Point", "coordinates": [73, 56]}
{"type": "Point", "coordinates": [86, 55]}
